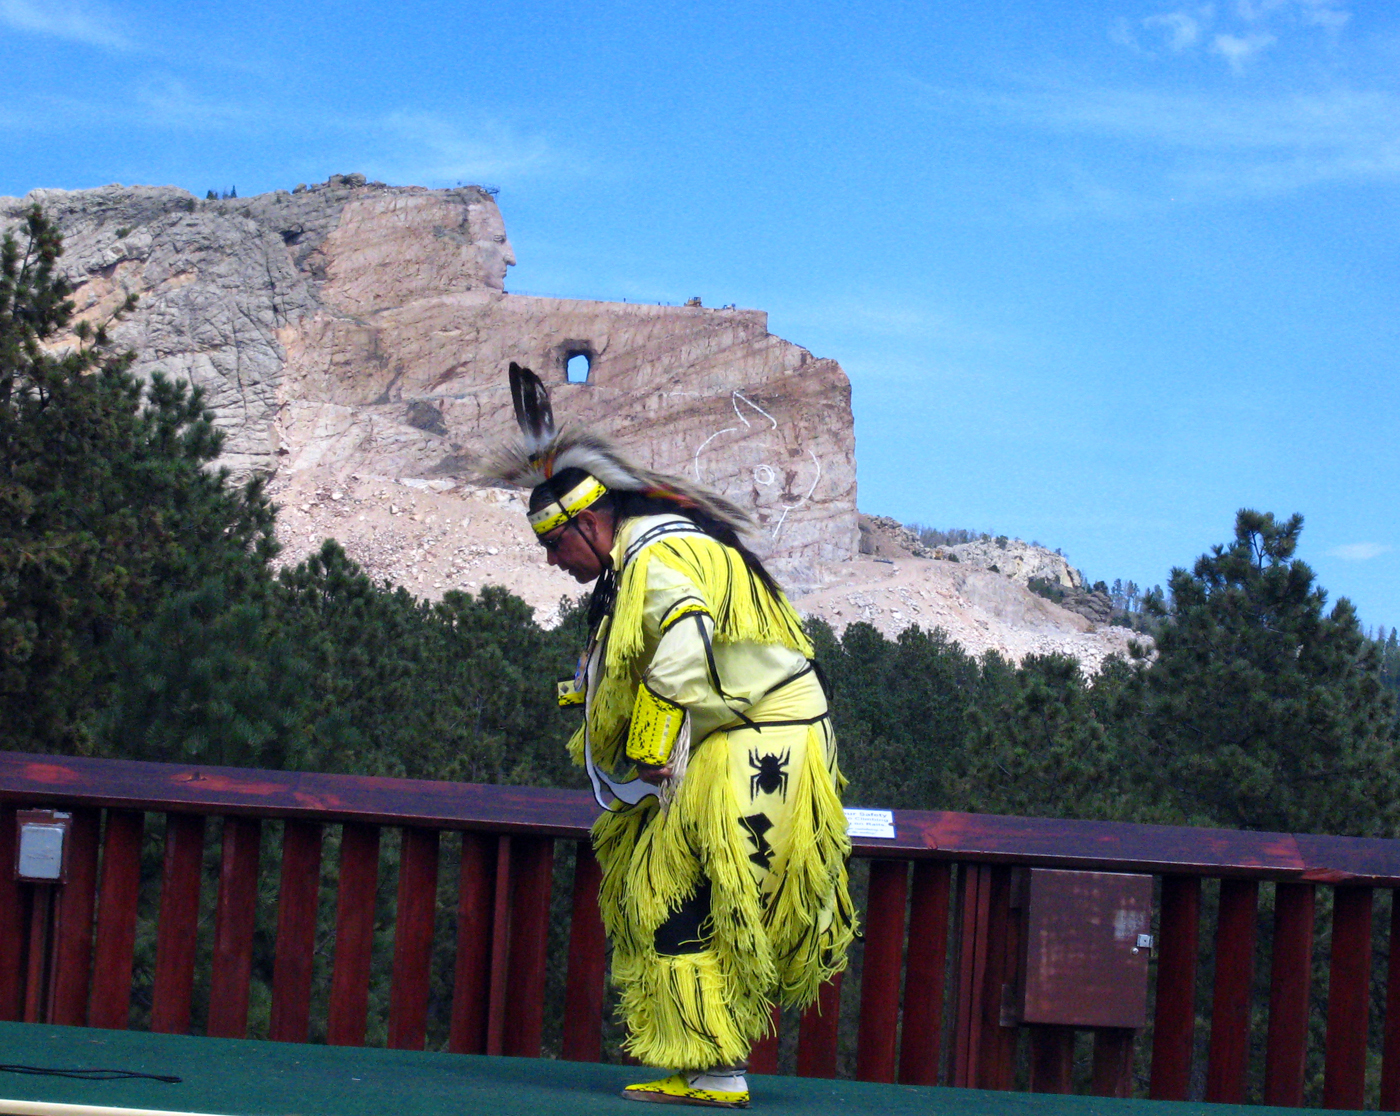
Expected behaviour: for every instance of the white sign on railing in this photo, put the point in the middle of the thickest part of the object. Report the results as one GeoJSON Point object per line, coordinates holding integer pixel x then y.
{"type": "Point", "coordinates": [870, 823]}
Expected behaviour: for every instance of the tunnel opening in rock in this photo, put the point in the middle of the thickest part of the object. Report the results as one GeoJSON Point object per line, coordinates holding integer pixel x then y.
{"type": "Point", "coordinates": [577, 366]}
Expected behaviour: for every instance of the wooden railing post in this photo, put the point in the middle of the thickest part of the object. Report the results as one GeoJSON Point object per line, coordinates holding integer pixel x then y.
{"type": "Point", "coordinates": [1290, 980]}
{"type": "Point", "coordinates": [1113, 1062]}
{"type": "Point", "coordinates": [234, 921]}
{"type": "Point", "coordinates": [529, 943]}
{"type": "Point", "coordinates": [1174, 1021]}
{"type": "Point", "coordinates": [879, 982]}
{"type": "Point", "coordinates": [13, 920]}
{"type": "Point", "coordinates": [989, 941]}
{"type": "Point", "coordinates": [1234, 980]}
{"type": "Point", "coordinates": [925, 974]}
{"type": "Point", "coordinates": [77, 897]}
{"type": "Point", "coordinates": [1348, 999]}
{"type": "Point", "coordinates": [298, 904]}
{"type": "Point", "coordinates": [471, 981]}
{"type": "Point", "coordinates": [583, 990]}
{"type": "Point", "coordinates": [1390, 1044]}
{"type": "Point", "coordinates": [177, 933]}
{"type": "Point", "coordinates": [413, 939]}
{"type": "Point", "coordinates": [40, 951]}
{"type": "Point", "coordinates": [763, 1058]}
{"type": "Point", "coordinates": [1051, 1061]}
{"type": "Point", "coordinates": [973, 917]}
{"type": "Point", "coordinates": [354, 934]}
{"type": "Point", "coordinates": [817, 1033]}
{"type": "Point", "coordinates": [996, 1068]}
{"type": "Point", "coordinates": [500, 946]}
{"type": "Point", "coordinates": [110, 1002]}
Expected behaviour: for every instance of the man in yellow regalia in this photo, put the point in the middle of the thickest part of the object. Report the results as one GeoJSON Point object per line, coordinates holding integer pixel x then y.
{"type": "Point", "coordinates": [708, 741]}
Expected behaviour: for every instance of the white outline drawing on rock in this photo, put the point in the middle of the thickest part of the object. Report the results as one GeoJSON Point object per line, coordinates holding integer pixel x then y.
{"type": "Point", "coordinates": [734, 396]}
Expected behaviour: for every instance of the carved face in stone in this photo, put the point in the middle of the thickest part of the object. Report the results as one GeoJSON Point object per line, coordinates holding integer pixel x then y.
{"type": "Point", "coordinates": [493, 250]}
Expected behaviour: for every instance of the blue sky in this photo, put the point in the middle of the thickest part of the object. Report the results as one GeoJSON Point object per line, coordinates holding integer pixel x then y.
{"type": "Point", "coordinates": [1100, 273]}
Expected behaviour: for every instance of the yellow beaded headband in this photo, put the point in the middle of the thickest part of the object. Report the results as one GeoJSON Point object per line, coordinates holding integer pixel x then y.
{"type": "Point", "coordinates": [562, 509]}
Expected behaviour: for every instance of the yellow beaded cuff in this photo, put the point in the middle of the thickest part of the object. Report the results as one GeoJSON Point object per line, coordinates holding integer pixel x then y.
{"type": "Point", "coordinates": [558, 512]}
{"type": "Point", "coordinates": [656, 723]}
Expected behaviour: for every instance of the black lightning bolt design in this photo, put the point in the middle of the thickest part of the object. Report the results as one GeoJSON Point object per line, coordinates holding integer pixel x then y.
{"type": "Point", "coordinates": [758, 825]}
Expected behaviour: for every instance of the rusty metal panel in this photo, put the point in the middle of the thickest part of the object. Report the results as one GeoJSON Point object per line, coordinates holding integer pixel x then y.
{"type": "Point", "coordinates": [1086, 947]}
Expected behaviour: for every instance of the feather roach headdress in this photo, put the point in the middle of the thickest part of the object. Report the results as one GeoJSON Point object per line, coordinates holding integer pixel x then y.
{"type": "Point", "coordinates": [544, 451]}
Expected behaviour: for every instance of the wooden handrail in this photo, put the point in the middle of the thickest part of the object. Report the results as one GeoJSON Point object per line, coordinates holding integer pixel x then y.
{"type": "Point", "coordinates": [545, 812]}
{"type": "Point", "coordinates": [942, 931]}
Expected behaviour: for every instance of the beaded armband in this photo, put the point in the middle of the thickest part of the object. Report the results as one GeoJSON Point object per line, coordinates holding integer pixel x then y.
{"type": "Point", "coordinates": [656, 723]}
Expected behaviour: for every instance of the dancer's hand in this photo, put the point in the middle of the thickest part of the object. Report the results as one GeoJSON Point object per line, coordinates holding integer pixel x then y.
{"type": "Point", "coordinates": [653, 775]}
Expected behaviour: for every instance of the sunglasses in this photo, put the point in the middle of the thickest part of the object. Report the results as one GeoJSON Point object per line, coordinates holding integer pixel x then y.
{"type": "Point", "coordinates": [551, 542]}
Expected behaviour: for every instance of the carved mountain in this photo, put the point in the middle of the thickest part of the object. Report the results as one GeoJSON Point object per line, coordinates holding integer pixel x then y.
{"type": "Point", "coordinates": [353, 339]}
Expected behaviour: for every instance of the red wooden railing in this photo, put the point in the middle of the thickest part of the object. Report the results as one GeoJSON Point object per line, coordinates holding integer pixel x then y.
{"type": "Point", "coordinates": [941, 937]}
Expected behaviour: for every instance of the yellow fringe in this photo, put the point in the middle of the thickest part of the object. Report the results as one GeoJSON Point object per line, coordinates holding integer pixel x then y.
{"type": "Point", "coordinates": [744, 610]}
{"type": "Point", "coordinates": [625, 642]}
{"type": "Point", "coordinates": [810, 920]}
{"type": "Point", "coordinates": [575, 746]}
{"type": "Point", "coordinates": [707, 1008]}
{"type": "Point", "coordinates": [679, 1013]}
{"type": "Point", "coordinates": [615, 836]}
{"type": "Point", "coordinates": [705, 825]}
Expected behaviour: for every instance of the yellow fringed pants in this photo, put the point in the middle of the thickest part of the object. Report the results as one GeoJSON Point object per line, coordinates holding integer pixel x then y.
{"type": "Point", "coordinates": [735, 895]}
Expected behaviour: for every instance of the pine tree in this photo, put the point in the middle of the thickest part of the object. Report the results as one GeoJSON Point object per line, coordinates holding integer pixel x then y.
{"type": "Point", "coordinates": [1267, 711]}
{"type": "Point", "coordinates": [106, 505]}
{"type": "Point", "coordinates": [1047, 741]}
{"type": "Point", "coordinates": [901, 711]}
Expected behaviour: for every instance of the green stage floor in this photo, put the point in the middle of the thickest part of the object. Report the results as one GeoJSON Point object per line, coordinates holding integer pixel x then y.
{"type": "Point", "coordinates": [245, 1078]}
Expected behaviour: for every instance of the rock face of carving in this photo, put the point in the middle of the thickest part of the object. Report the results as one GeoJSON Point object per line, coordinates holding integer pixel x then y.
{"type": "Point", "coordinates": [353, 340]}
{"type": "Point", "coordinates": [360, 330]}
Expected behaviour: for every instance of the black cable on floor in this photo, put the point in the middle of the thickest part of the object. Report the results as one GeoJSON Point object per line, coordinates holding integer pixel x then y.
{"type": "Point", "coordinates": [91, 1074]}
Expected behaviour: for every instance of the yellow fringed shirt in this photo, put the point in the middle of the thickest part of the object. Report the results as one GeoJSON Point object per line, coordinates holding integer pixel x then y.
{"type": "Point", "coordinates": [687, 626]}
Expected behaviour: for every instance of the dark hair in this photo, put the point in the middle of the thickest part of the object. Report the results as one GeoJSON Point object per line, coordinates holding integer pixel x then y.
{"type": "Point", "coordinates": [629, 505]}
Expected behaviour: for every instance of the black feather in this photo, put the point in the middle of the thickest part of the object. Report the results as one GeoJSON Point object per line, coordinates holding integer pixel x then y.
{"type": "Point", "coordinates": [532, 409]}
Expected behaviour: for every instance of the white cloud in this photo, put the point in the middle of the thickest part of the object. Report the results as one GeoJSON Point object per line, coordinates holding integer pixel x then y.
{"type": "Point", "coordinates": [75, 20]}
{"type": "Point", "coordinates": [427, 149]}
{"type": "Point", "coordinates": [418, 148]}
{"type": "Point", "coordinates": [1239, 49]}
{"type": "Point", "coordinates": [1236, 146]}
{"type": "Point", "coordinates": [1181, 29]}
{"type": "Point", "coordinates": [156, 102]}
{"type": "Point", "coordinates": [1329, 14]}
{"type": "Point", "coordinates": [162, 101]}
{"type": "Point", "coordinates": [1121, 32]}
{"type": "Point", "coordinates": [1335, 118]}
{"type": "Point", "coordinates": [1190, 147]}
{"type": "Point", "coordinates": [1324, 15]}
{"type": "Point", "coordinates": [1246, 31]}
{"type": "Point", "coordinates": [1359, 552]}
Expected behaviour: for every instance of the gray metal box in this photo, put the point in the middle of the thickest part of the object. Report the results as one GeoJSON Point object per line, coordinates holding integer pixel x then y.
{"type": "Point", "coordinates": [41, 853]}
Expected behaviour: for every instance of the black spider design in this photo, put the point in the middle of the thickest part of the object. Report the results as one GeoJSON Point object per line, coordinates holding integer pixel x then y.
{"type": "Point", "coordinates": [772, 776]}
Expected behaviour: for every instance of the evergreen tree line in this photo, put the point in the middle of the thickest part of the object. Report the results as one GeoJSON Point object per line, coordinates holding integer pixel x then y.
{"type": "Point", "coordinates": [1257, 708]}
